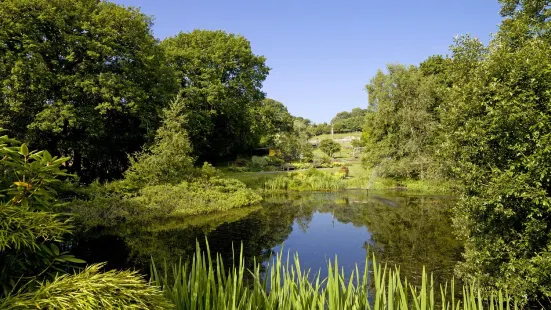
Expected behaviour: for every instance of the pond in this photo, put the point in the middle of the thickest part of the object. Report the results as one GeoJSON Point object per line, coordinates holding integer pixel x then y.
{"type": "Point", "coordinates": [402, 229]}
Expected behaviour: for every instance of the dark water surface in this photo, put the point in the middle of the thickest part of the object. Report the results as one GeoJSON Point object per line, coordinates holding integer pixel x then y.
{"type": "Point", "coordinates": [400, 228]}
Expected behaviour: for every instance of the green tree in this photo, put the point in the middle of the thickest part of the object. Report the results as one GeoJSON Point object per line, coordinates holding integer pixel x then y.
{"type": "Point", "coordinates": [329, 147]}
{"type": "Point", "coordinates": [168, 159]}
{"type": "Point", "coordinates": [349, 121]}
{"type": "Point", "coordinates": [291, 147]}
{"type": "Point", "coordinates": [497, 139]}
{"type": "Point", "coordinates": [401, 127]}
{"type": "Point", "coordinates": [271, 119]}
{"type": "Point", "coordinates": [81, 78]}
{"type": "Point", "coordinates": [220, 79]}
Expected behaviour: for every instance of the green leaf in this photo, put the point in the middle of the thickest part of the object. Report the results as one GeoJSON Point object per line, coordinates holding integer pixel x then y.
{"type": "Point", "coordinates": [55, 249]}
{"type": "Point", "coordinates": [24, 149]}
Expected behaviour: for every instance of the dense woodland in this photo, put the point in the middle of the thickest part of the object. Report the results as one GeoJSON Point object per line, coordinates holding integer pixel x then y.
{"type": "Point", "coordinates": [103, 123]}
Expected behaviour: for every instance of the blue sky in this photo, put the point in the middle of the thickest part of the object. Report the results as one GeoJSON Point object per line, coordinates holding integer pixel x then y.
{"type": "Point", "coordinates": [323, 53]}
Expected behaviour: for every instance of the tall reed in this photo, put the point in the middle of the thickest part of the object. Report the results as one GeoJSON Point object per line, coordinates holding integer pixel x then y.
{"type": "Point", "coordinates": [207, 283]}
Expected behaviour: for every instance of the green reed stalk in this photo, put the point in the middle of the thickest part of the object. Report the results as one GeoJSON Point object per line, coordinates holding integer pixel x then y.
{"type": "Point", "coordinates": [206, 283]}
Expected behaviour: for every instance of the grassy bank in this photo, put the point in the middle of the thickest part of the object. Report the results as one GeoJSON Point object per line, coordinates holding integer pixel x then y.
{"type": "Point", "coordinates": [358, 178]}
{"type": "Point", "coordinates": [207, 284]}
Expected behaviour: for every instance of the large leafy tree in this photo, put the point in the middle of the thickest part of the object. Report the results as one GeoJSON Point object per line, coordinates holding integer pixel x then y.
{"type": "Point", "coordinates": [401, 125]}
{"type": "Point", "coordinates": [80, 78]}
{"type": "Point", "coordinates": [498, 132]}
{"type": "Point", "coordinates": [271, 119]}
{"type": "Point", "coordinates": [220, 79]}
{"type": "Point", "coordinates": [349, 121]}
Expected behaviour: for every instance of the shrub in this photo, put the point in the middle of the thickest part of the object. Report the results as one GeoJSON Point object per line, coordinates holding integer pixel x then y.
{"type": "Point", "coordinates": [329, 147]}
{"type": "Point", "coordinates": [197, 197]}
{"type": "Point", "coordinates": [322, 162]}
{"type": "Point", "coordinates": [344, 170]}
{"type": "Point", "coordinates": [303, 165]}
{"type": "Point", "coordinates": [169, 159]}
{"type": "Point", "coordinates": [310, 180]}
{"type": "Point", "coordinates": [257, 163]}
{"type": "Point", "coordinates": [34, 267]}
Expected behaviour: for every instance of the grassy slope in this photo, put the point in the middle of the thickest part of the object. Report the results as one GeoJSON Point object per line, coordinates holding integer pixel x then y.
{"type": "Point", "coordinates": [338, 135]}
{"type": "Point", "coordinates": [358, 177]}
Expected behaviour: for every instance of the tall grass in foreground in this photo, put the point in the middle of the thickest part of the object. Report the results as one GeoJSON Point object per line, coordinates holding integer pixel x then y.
{"type": "Point", "coordinates": [208, 284]}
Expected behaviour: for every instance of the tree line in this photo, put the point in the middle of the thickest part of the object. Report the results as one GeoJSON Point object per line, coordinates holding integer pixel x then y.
{"type": "Point", "coordinates": [479, 117]}
{"type": "Point", "coordinates": [87, 79]}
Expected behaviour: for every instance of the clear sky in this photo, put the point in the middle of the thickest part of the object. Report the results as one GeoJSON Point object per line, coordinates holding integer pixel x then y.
{"type": "Point", "coordinates": [323, 53]}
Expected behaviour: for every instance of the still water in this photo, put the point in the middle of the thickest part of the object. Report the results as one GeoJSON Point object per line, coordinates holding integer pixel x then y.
{"type": "Point", "coordinates": [402, 229]}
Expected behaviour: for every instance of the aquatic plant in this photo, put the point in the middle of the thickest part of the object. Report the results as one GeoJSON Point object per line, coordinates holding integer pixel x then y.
{"type": "Point", "coordinates": [206, 283]}
{"type": "Point", "coordinates": [310, 180]}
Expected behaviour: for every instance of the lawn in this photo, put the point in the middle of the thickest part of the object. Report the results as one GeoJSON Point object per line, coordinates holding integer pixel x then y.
{"type": "Point", "coordinates": [338, 136]}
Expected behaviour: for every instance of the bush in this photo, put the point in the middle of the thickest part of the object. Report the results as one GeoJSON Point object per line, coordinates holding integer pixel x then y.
{"type": "Point", "coordinates": [322, 162]}
{"type": "Point", "coordinates": [302, 165]}
{"type": "Point", "coordinates": [329, 147]}
{"type": "Point", "coordinates": [344, 170]}
{"type": "Point", "coordinates": [310, 180]}
{"type": "Point", "coordinates": [257, 164]}
{"type": "Point", "coordinates": [197, 197]}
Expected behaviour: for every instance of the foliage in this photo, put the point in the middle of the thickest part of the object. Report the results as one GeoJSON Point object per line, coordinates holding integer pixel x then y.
{"type": "Point", "coordinates": [20, 228]}
{"type": "Point", "coordinates": [498, 134]}
{"type": "Point", "coordinates": [207, 284]}
{"type": "Point", "coordinates": [81, 78]}
{"type": "Point", "coordinates": [344, 170]}
{"type": "Point", "coordinates": [293, 147]}
{"type": "Point", "coordinates": [220, 79]}
{"type": "Point", "coordinates": [318, 129]}
{"type": "Point", "coordinates": [258, 163]}
{"type": "Point", "coordinates": [30, 248]}
{"type": "Point", "coordinates": [28, 229]}
{"type": "Point", "coordinates": [349, 121]}
{"type": "Point", "coordinates": [271, 119]}
{"type": "Point", "coordinates": [196, 197]}
{"type": "Point", "coordinates": [169, 159]}
{"type": "Point", "coordinates": [310, 180]}
{"type": "Point", "coordinates": [91, 289]}
{"type": "Point", "coordinates": [329, 147]}
{"type": "Point", "coordinates": [402, 122]}
{"type": "Point", "coordinates": [28, 176]}
{"type": "Point", "coordinates": [322, 161]}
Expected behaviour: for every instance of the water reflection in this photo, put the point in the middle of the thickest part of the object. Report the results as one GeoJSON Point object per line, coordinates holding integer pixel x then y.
{"type": "Point", "coordinates": [406, 230]}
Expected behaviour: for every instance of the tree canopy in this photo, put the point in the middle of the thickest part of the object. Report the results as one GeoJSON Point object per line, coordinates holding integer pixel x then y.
{"type": "Point", "coordinates": [329, 147]}
{"type": "Point", "coordinates": [220, 80]}
{"type": "Point", "coordinates": [349, 121]}
{"type": "Point", "coordinates": [81, 78]}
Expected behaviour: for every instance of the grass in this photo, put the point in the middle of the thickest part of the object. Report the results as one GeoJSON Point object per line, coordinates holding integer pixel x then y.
{"type": "Point", "coordinates": [206, 283]}
{"type": "Point", "coordinates": [358, 178]}
{"type": "Point", "coordinates": [255, 180]}
{"type": "Point", "coordinates": [337, 135]}
{"type": "Point", "coordinates": [309, 180]}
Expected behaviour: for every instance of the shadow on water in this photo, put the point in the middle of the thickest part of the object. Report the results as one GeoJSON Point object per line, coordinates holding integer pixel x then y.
{"type": "Point", "coordinates": [400, 228]}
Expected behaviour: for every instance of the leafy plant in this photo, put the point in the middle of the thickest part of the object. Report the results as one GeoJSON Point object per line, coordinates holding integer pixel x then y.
{"type": "Point", "coordinates": [169, 159]}
{"type": "Point", "coordinates": [329, 147]}
{"type": "Point", "coordinates": [310, 180]}
{"type": "Point", "coordinates": [32, 257]}
{"type": "Point", "coordinates": [196, 197]}
{"type": "Point", "coordinates": [206, 283]}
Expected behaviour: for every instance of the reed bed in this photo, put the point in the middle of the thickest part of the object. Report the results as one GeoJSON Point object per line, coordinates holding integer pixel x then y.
{"type": "Point", "coordinates": [206, 283]}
